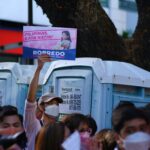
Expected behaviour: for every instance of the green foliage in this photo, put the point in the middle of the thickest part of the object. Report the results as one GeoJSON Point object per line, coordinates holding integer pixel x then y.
{"type": "Point", "coordinates": [126, 34]}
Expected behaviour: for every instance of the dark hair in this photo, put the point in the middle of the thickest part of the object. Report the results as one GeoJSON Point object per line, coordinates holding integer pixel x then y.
{"type": "Point", "coordinates": [7, 110]}
{"type": "Point", "coordinates": [122, 106]}
{"type": "Point", "coordinates": [68, 34]}
{"type": "Point", "coordinates": [73, 121]}
{"type": "Point", "coordinates": [91, 124]}
{"type": "Point", "coordinates": [120, 116]}
{"type": "Point", "coordinates": [50, 137]}
{"type": "Point", "coordinates": [107, 138]}
{"type": "Point", "coordinates": [125, 104]}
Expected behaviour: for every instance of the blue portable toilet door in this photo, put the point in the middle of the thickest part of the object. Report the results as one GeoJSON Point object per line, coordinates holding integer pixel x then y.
{"type": "Point", "coordinates": [2, 91]}
{"type": "Point", "coordinates": [5, 88]}
{"type": "Point", "coordinates": [75, 88]}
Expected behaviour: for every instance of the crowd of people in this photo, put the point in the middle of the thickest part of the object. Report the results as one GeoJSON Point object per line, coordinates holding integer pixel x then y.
{"type": "Point", "coordinates": [42, 128]}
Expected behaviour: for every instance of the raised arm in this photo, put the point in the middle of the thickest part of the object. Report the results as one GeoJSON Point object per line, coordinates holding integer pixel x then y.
{"type": "Point", "coordinates": [34, 83]}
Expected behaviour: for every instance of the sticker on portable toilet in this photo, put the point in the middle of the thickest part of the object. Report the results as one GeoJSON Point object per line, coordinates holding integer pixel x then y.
{"type": "Point", "coordinates": [71, 100]}
{"type": "Point", "coordinates": [58, 43]}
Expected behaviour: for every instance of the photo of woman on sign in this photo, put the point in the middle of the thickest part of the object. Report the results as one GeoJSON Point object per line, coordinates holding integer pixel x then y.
{"type": "Point", "coordinates": [65, 42]}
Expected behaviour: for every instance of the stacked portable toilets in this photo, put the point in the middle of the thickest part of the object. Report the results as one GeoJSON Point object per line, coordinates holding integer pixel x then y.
{"type": "Point", "coordinates": [93, 86]}
{"type": "Point", "coordinates": [87, 85]}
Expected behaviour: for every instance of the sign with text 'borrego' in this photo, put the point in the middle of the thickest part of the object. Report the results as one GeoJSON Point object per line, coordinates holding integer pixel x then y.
{"type": "Point", "coordinates": [58, 43]}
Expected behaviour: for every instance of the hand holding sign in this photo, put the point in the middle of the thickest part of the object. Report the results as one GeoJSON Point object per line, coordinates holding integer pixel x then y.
{"type": "Point", "coordinates": [42, 59]}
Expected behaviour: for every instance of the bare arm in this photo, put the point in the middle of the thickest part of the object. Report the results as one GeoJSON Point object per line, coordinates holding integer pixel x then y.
{"type": "Point", "coordinates": [34, 83]}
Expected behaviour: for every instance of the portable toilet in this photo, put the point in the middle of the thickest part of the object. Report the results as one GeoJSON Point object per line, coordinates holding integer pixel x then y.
{"type": "Point", "coordinates": [11, 93]}
{"type": "Point", "coordinates": [14, 83]}
{"type": "Point", "coordinates": [93, 86]}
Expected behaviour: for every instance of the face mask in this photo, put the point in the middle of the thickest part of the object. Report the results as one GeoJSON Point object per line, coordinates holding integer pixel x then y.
{"type": "Point", "coordinates": [52, 110]}
{"type": "Point", "coordinates": [85, 134]}
{"type": "Point", "coordinates": [137, 141]}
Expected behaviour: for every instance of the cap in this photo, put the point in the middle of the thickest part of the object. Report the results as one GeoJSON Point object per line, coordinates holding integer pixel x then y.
{"type": "Point", "coordinates": [49, 97]}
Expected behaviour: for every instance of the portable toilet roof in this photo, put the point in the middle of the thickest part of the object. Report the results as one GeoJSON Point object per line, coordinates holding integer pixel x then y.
{"type": "Point", "coordinates": [29, 70]}
{"type": "Point", "coordinates": [113, 72]}
{"type": "Point", "coordinates": [14, 68]}
{"type": "Point", "coordinates": [23, 73]}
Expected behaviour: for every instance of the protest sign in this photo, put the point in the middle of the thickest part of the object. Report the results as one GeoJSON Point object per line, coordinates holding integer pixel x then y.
{"type": "Point", "coordinates": [58, 43]}
{"type": "Point", "coordinates": [72, 142]}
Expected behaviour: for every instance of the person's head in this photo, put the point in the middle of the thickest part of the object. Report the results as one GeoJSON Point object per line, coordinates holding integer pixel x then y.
{"type": "Point", "coordinates": [117, 112]}
{"type": "Point", "coordinates": [107, 138]}
{"type": "Point", "coordinates": [48, 108]}
{"type": "Point", "coordinates": [10, 121]}
{"type": "Point", "coordinates": [128, 121]}
{"type": "Point", "coordinates": [52, 136]}
{"type": "Point", "coordinates": [66, 35]}
{"type": "Point", "coordinates": [92, 126]}
{"type": "Point", "coordinates": [75, 122]}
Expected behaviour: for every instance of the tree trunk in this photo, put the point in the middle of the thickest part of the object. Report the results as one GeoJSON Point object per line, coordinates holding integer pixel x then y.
{"type": "Point", "coordinates": [97, 36]}
{"type": "Point", "coordinates": [141, 36]}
